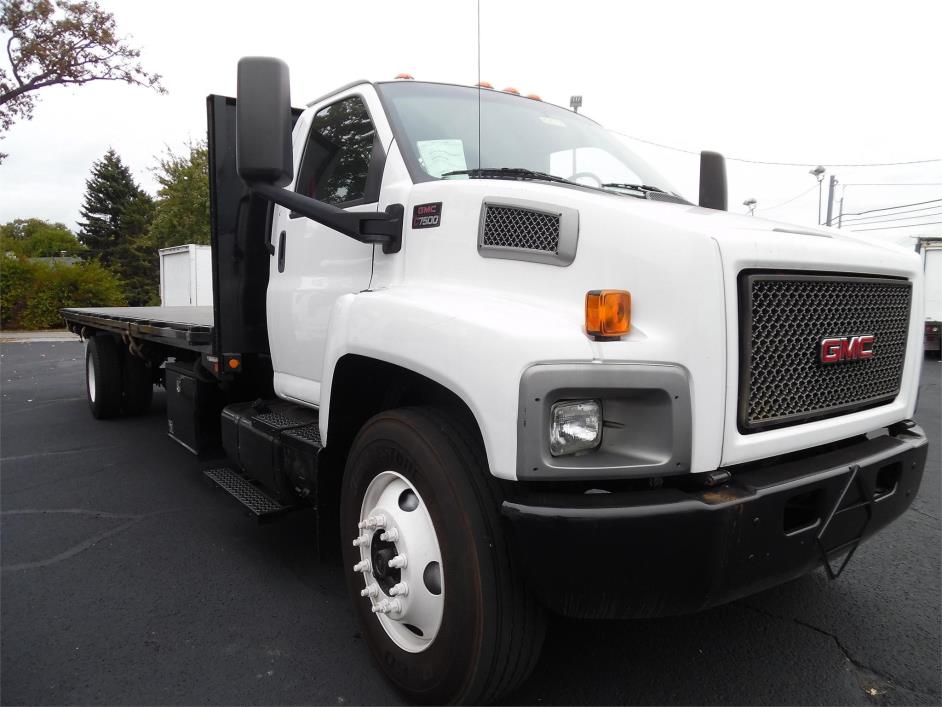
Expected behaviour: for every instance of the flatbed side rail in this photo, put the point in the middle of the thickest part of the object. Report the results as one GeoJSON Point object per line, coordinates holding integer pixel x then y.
{"type": "Point", "coordinates": [194, 336]}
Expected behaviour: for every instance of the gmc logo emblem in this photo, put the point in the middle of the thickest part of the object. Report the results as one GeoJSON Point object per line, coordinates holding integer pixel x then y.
{"type": "Point", "coordinates": [839, 349]}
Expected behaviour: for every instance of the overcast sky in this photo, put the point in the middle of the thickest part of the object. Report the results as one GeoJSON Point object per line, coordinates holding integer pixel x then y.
{"type": "Point", "coordinates": [815, 82]}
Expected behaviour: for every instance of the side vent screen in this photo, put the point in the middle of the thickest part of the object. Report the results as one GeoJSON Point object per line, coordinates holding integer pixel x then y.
{"type": "Point", "coordinates": [518, 229]}
{"type": "Point", "coordinates": [508, 227]}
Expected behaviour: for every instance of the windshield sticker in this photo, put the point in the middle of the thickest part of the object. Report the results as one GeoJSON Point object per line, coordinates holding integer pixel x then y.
{"type": "Point", "coordinates": [552, 121]}
{"type": "Point", "coordinates": [427, 215]}
{"type": "Point", "coordinates": [441, 156]}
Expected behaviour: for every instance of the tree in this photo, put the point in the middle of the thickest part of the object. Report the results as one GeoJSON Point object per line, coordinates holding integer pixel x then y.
{"type": "Point", "coordinates": [33, 237]}
{"type": "Point", "coordinates": [182, 208]}
{"type": "Point", "coordinates": [117, 215]}
{"type": "Point", "coordinates": [56, 42]}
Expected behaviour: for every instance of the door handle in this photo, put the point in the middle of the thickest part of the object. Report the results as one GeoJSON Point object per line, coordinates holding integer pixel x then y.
{"type": "Point", "coordinates": [281, 251]}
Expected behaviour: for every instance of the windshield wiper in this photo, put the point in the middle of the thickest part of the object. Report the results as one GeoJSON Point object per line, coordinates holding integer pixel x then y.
{"type": "Point", "coordinates": [635, 187]}
{"type": "Point", "coordinates": [519, 173]}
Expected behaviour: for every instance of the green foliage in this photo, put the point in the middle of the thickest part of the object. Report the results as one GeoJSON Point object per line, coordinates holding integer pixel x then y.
{"type": "Point", "coordinates": [34, 237]}
{"type": "Point", "coordinates": [117, 215]}
{"type": "Point", "coordinates": [18, 278]}
{"type": "Point", "coordinates": [182, 209]}
{"type": "Point", "coordinates": [57, 42]}
{"type": "Point", "coordinates": [31, 294]}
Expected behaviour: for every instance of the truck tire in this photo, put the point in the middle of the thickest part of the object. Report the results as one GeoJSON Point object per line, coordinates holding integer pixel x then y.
{"type": "Point", "coordinates": [137, 384]}
{"type": "Point", "coordinates": [103, 376]}
{"type": "Point", "coordinates": [465, 631]}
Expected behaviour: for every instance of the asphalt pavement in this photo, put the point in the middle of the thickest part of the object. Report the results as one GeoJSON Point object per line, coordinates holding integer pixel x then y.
{"type": "Point", "coordinates": [129, 579]}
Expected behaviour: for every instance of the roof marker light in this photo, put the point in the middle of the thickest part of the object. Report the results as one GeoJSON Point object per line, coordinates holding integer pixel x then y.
{"type": "Point", "coordinates": [409, 77]}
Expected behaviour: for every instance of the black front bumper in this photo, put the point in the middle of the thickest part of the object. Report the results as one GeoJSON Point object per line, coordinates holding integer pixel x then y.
{"type": "Point", "coordinates": [670, 551]}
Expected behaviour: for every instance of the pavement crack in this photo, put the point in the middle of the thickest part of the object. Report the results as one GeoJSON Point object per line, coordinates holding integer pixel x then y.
{"type": "Point", "coordinates": [923, 513]}
{"type": "Point", "coordinates": [58, 452]}
{"type": "Point", "coordinates": [860, 666]}
{"type": "Point", "coordinates": [132, 520]}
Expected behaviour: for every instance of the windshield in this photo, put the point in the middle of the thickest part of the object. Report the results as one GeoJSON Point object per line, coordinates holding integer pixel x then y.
{"type": "Point", "coordinates": [436, 127]}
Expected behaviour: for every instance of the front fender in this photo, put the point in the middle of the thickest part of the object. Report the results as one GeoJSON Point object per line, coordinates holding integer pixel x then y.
{"type": "Point", "coordinates": [471, 342]}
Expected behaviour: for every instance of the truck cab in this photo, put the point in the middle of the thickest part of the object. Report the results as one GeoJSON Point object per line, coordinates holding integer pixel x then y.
{"type": "Point", "coordinates": [517, 371]}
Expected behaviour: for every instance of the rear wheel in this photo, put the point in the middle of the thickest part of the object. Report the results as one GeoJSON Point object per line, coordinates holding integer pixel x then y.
{"type": "Point", "coordinates": [137, 384]}
{"type": "Point", "coordinates": [103, 376]}
{"type": "Point", "coordinates": [429, 570]}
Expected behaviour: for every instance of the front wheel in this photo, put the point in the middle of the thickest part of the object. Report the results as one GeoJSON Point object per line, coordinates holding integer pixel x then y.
{"type": "Point", "coordinates": [429, 569]}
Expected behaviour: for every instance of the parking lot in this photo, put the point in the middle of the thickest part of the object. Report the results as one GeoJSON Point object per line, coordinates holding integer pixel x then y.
{"type": "Point", "coordinates": [128, 579]}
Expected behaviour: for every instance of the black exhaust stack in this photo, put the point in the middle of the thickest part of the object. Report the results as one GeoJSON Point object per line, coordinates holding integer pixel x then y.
{"type": "Point", "coordinates": [712, 180]}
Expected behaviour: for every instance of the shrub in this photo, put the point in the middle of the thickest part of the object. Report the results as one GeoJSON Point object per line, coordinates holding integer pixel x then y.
{"type": "Point", "coordinates": [31, 294]}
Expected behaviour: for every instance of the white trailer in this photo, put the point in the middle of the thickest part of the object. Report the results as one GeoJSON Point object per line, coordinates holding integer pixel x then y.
{"type": "Point", "coordinates": [186, 276]}
{"type": "Point", "coordinates": [931, 250]}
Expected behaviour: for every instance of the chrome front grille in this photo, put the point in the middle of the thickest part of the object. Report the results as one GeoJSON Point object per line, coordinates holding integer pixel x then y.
{"type": "Point", "coordinates": [784, 319]}
{"type": "Point", "coordinates": [510, 227]}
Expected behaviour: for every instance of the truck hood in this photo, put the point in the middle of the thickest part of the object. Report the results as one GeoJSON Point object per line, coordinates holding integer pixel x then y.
{"type": "Point", "coordinates": [681, 264]}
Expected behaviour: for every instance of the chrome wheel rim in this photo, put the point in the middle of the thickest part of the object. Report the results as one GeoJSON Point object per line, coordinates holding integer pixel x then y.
{"type": "Point", "coordinates": [400, 562]}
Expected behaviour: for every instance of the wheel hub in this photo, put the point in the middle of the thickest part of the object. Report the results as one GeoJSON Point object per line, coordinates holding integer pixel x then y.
{"type": "Point", "coordinates": [381, 552]}
{"type": "Point", "coordinates": [400, 561]}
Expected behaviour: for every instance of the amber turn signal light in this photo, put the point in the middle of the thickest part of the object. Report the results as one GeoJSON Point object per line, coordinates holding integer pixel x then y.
{"type": "Point", "coordinates": [607, 313]}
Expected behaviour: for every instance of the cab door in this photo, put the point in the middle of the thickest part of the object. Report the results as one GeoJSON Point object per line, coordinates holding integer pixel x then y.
{"type": "Point", "coordinates": [339, 159]}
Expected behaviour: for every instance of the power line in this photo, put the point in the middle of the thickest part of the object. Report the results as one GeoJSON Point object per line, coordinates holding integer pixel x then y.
{"type": "Point", "coordinates": [888, 208]}
{"type": "Point", "coordinates": [891, 184]}
{"type": "Point", "coordinates": [779, 164]}
{"type": "Point", "coordinates": [907, 211]}
{"type": "Point", "coordinates": [890, 228]}
{"type": "Point", "coordinates": [797, 196]}
{"type": "Point", "coordinates": [901, 218]}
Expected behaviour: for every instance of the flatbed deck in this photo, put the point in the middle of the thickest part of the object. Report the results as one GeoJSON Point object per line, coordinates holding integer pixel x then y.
{"type": "Point", "coordinates": [181, 327]}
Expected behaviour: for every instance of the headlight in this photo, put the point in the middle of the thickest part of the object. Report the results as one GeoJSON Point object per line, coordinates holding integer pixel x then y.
{"type": "Point", "coordinates": [575, 426]}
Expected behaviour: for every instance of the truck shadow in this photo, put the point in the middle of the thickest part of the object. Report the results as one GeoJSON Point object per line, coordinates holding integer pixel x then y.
{"type": "Point", "coordinates": [720, 656]}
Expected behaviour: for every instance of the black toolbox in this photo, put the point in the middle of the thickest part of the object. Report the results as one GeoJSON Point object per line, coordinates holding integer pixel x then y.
{"type": "Point", "coordinates": [193, 408]}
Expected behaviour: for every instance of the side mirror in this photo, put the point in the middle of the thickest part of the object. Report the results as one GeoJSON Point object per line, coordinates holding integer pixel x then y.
{"type": "Point", "coordinates": [712, 180]}
{"type": "Point", "coordinates": [263, 122]}
{"type": "Point", "coordinates": [264, 158]}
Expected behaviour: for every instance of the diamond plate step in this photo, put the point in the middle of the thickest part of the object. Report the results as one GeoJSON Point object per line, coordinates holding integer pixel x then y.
{"type": "Point", "coordinates": [259, 503]}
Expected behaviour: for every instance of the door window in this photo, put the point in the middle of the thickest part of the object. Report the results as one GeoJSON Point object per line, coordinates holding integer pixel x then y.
{"type": "Point", "coordinates": [341, 147]}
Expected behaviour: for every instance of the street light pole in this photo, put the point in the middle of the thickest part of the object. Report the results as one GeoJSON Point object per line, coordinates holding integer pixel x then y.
{"type": "Point", "coordinates": [575, 102]}
{"type": "Point", "coordinates": [818, 172]}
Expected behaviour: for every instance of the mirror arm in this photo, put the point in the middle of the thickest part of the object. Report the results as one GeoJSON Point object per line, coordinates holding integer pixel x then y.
{"type": "Point", "coordinates": [376, 227]}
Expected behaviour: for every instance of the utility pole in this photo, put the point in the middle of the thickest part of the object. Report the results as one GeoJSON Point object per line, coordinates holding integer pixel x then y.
{"type": "Point", "coordinates": [818, 172]}
{"type": "Point", "coordinates": [751, 205]}
{"type": "Point", "coordinates": [840, 210]}
{"type": "Point", "coordinates": [831, 184]}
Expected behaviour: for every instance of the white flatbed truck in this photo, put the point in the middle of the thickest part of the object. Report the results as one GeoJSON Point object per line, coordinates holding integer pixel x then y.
{"type": "Point", "coordinates": [515, 371]}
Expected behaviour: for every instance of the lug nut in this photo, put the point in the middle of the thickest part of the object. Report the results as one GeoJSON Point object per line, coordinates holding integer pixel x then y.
{"type": "Point", "coordinates": [390, 536]}
{"type": "Point", "coordinates": [377, 521]}
{"type": "Point", "coordinates": [387, 606]}
{"type": "Point", "coordinates": [398, 562]}
{"type": "Point", "coordinates": [371, 590]}
{"type": "Point", "coordinates": [362, 566]}
{"type": "Point", "coordinates": [399, 590]}
{"type": "Point", "coordinates": [361, 540]}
